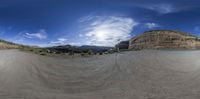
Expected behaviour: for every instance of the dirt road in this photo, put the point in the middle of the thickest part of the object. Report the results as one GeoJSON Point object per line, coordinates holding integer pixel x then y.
{"type": "Point", "coordinates": [131, 75]}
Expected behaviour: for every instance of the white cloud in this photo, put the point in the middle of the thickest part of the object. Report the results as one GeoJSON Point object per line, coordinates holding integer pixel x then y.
{"type": "Point", "coordinates": [151, 25]}
{"type": "Point", "coordinates": [59, 41]}
{"type": "Point", "coordinates": [161, 8]}
{"type": "Point", "coordinates": [76, 43]}
{"type": "Point", "coordinates": [41, 34]}
{"type": "Point", "coordinates": [107, 31]}
{"type": "Point", "coordinates": [80, 35]}
{"type": "Point", "coordinates": [86, 18]}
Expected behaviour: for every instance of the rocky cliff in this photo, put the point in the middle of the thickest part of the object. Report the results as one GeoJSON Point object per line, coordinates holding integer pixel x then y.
{"type": "Point", "coordinates": [164, 39]}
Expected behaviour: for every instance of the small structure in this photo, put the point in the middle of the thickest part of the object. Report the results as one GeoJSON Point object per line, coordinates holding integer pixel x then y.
{"type": "Point", "coordinates": [123, 45]}
{"type": "Point", "coordinates": [164, 39]}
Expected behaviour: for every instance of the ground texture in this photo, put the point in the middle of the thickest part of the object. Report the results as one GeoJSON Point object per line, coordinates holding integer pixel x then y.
{"type": "Point", "coordinates": [143, 74]}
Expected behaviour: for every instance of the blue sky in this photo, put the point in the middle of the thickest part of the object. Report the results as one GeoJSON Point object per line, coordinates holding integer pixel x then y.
{"type": "Point", "coordinates": [93, 22]}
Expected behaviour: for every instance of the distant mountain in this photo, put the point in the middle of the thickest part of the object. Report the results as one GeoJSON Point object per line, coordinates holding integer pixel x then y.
{"type": "Point", "coordinates": [95, 48]}
{"type": "Point", "coordinates": [79, 49]}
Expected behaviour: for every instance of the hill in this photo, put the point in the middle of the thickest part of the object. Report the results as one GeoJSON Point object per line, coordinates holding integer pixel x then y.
{"type": "Point", "coordinates": [8, 45]}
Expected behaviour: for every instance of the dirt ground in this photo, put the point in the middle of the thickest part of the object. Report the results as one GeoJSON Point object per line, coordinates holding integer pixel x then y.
{"type": "Point", "coordinates": [147, 74]}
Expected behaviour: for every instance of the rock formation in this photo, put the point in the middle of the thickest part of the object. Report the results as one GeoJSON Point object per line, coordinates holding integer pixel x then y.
{"type": "Point", "coordinates": [164, 39]}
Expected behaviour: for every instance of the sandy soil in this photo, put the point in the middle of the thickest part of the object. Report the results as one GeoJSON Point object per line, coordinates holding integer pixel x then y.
{"type": "Point", "coordinates": [131, 75]}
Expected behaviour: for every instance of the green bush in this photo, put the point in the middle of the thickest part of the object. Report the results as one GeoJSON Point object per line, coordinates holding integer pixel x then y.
{"type": "Point", "coordinates": [43, 54]}
{"type": "Point", "coordinates": [90, 52]}
{"type": "Point", "coordinates": [57, 52]}
{"type": "Point", "coordinates": [71, 53]}
{"type": "Point", "coordinates": [82, 54]}
{"type": "Point", "coordinates": [100, 53]}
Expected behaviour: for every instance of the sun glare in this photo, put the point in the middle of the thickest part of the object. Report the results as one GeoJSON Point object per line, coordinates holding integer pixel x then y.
{"type": "Point", "coordinates": [101, 35]}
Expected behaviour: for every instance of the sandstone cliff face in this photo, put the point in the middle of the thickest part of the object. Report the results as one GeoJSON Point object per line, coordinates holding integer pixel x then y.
{"type": "Point", "coordinates": [162, 39]}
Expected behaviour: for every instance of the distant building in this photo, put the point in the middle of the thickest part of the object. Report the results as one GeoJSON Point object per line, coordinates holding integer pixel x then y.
{"type": "Point", "coordinates": [164, 39]}
{"type": "Point", "coordinates": [123, 45]}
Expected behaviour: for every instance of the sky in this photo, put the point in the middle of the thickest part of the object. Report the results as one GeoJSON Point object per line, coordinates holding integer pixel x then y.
{"type": "Point", "coordinates": [93, 22]}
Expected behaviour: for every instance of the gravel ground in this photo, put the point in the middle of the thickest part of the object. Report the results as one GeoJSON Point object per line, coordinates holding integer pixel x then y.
{"type": "Point", "coordinates": [146, 74]}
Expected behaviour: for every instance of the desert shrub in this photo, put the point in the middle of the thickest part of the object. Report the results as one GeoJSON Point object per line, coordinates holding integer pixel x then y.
{"type": "Point", "coordinates": [43, 54]}
{"type": "Point", "coordinates": [57, 52]}
{"type": "Point", "coordinates": [85, 51]}
{"type": "Point", "coordinates": [90, 52]}
{"type": "Point", "coordinates": [100, 53]}
{"type": "Point", "coordinates": [49, 51]}
{"type": "Point", "coordinates": [31, 50]}
{"type": "Point", "coordinates": [82, 54]}
{"type": "Point", "coordinates": [71, 53]}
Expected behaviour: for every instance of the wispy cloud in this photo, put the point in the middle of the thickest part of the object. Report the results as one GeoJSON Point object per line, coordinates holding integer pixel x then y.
{"type": "Point", "coordinates": [41, 34]}
{"type": "Point", "coordinates": [151, 25]}
{"type": "Point", "coordinates": [76, 43]}
{"type": "Point", "coordinates": [107, 31]}
{"type": "Point", "coordinates": [86, 18]}
{"type": "Point", "coordinates": [59, 41]}
{"type": "Point", "coordinates": [161, 8]}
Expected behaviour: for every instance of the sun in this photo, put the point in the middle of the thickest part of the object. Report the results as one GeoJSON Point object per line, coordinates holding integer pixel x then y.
{"type": "Point", "coordinates": [101, 35]}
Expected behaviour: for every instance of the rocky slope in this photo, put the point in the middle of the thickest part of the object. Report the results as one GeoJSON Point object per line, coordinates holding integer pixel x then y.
{"type": "Point", "coordinates": [8, 45]}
